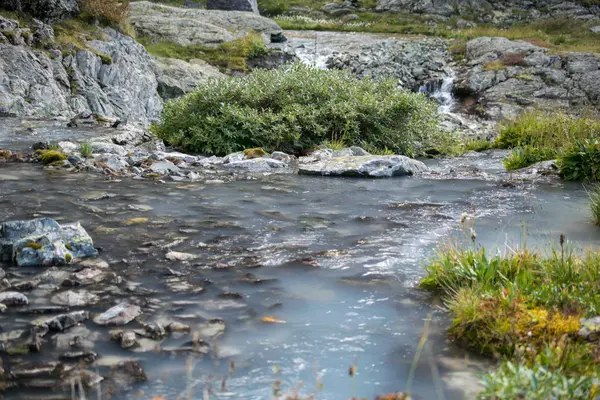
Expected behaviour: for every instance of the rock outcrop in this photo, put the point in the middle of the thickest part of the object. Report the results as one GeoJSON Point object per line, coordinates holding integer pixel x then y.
{"type": "Point", "coordinates": [46, 10]}
{"type": "Point", "coordinates": [186, 26]}
{"type": "Point", "coordinates": [233, 5]}
{"type": "Point", "coordinates": [177, 77]}
{"type": "Point", "coordinates": [113, 77]}
{"type": "Point", "coordinates": [507, 76]}
{"type": "Point", "coordinates": [412, 62]}
{"type": "Point", "coordinates": [495, 11]}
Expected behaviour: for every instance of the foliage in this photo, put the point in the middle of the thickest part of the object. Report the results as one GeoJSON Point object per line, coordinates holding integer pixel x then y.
{"type": "Point", "coordinates": [525, 307]}
{"type": "Point", "coordinates": [557, 34]}
{"type": "Point", "coordinates": [296, 108]}
{"type": "Point", "coordinates": [594, 194]}
{"type": "Point", "coordinates": [51, 156]}
{"type": "Point", "coordinates": [525, 156]}
{"type": "Point", "coordinates": [581, 161]}
{"type": "Point", "coordinates": [108, 12]}
{"type": "Point", "coordinates": [273, 7]}
{"type": "Point", "coordinates": [227, 56]}
{"type": "Point", "coordinates": [85, 150]}
{"type": "Point", "coordinates": [73, 34]}
{"type": "Point", "coordinates": [547, 378]}
{"type": "Point", "coordinates": [535, 136]}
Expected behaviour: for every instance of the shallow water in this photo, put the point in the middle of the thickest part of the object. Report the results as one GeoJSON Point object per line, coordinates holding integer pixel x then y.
{"type": "Point", "coordinates": [339, 259]}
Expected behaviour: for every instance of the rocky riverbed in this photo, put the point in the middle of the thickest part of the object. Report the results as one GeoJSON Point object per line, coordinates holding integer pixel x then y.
{"type": "Point", "coordinates": [225, 277]}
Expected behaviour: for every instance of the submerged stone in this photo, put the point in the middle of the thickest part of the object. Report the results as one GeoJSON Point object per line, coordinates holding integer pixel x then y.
{"type": "Point", "coordinates": [43, 241]}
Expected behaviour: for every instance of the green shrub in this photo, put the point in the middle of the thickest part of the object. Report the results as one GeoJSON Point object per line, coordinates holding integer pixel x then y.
{"type": "Point", "coordinates": [525, 156]}
{"type": "Point", "coordinates": [549, 377]}
{"type": "Point", "coordinates": [296, 108]}
{"type": "Point", "coordinates": [581, 162]}
{"type": "Point", "coordinates": [535, 136]}
{"type": "Point", "coordinates": [273, 7]}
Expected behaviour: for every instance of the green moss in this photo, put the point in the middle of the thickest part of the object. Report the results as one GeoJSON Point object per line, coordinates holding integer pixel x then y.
{"type": "Point", "coordinates": [10, 35]}
{"type": "Point", "coordinates": [33, 245]}
{"type": "Point", "coordinates": [68, 258]}
{"type": "Point", "coordinates": [68, 247]}
{"type": "Point", "coordinates": [524, 77]}
{"type": "Point", "coordinates": [51, 156]}
{"type": "Point", "coordinates": [18, 351]}
{"type": "Point", "coordinates": [256, 152]}
{"type": "Point", "coordinates": [230, 56]}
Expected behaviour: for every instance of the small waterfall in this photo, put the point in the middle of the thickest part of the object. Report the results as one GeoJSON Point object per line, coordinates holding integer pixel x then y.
{"type": "Point", "coordinates": [441, 90]}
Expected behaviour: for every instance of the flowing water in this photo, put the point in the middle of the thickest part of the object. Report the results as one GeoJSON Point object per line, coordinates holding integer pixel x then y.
{"type": "Point", "coordinates": [337, 259]}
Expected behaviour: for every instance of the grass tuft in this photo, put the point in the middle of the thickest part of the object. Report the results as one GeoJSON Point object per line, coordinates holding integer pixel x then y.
{"type": "Point", "coordinates": [230, 56]}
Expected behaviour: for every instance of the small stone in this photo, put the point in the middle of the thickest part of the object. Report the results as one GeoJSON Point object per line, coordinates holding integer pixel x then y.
{"type": "Point", "coordinates": [63, 321]}
{"type": "Point", "coordinates": [136, 221]}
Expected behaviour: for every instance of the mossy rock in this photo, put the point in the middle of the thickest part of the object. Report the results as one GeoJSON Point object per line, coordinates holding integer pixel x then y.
{"type": "Point", "coordinates": [5, 153]}
{"type": "Point", "coordinates": [51, 156]}
{"type": "Point", "coordinates": [256, 152]}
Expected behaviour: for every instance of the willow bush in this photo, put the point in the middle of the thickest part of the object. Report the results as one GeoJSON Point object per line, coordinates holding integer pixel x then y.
{"type": "Point", "coordinates": [295, 108]}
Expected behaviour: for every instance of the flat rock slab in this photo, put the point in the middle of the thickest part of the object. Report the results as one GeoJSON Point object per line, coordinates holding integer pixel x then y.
{"type": "Point", "coordinates": [43, 241]}
{"type": "Point", "coordinates": [363, 166]}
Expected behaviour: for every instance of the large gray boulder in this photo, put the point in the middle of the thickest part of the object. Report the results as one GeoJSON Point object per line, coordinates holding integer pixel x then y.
{"type": "Point", "coordinates": [506, 77]}
{"type": "Point", "coordinates": [46, 10]}
{"type": "Point", "coordinates": [178, 77]}
{"type": "Point", "coordinates": [186, 26]}
{"type": "Point", "coordinates": [43, 242]}
{"type": "Point", "coordinates": [327, 163]}
{"type": "Point", "coordinates": [114, 78]}
{"type": "Point", "coordinates": [233, 5]}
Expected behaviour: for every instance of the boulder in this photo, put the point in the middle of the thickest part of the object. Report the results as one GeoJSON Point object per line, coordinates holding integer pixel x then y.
{"type": "Point", "coordinates": [178, 77]}
{"type": "Point", "coordinates": [362, 166]}
{"type": "Point", "coordinates": [186, 26]}
{"type": "Point", "coordinates": [233, 5]}
{"type": "Point", "coordinates": [13, 299]}
{"type": "Point", "coordinates": [43, 242]}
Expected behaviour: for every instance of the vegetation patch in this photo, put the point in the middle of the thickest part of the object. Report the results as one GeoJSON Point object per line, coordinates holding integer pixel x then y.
{"type": "Point", "coordinates": [50, 156]}
{"type": "Point", "coordinates": [524, 307]}
{"type": "Point", "coordinates": [229, 56]}
{"type": "Point", "coordinates": [536, 136]}
{"type": "Point", "coordinates": [295, 108]}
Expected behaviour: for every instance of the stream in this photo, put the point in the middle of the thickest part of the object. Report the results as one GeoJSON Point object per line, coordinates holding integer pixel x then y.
{"type": "Point", "coordinates": [337, 259]}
